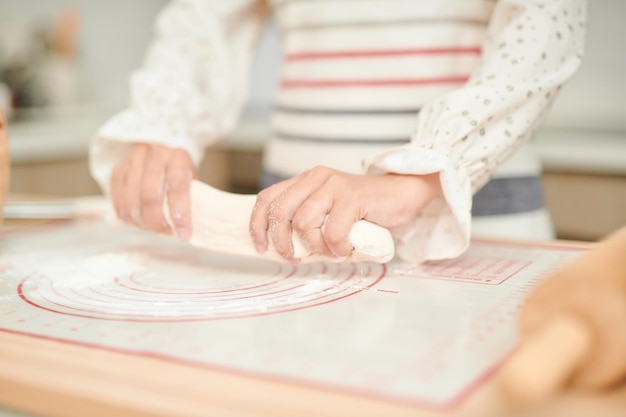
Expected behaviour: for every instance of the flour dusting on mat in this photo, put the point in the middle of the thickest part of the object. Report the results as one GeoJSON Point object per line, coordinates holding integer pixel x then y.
{"type": "Point", "coordinates": [78, 272]}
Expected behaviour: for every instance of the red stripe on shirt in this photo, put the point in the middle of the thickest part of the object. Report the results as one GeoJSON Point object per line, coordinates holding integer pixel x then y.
{"type": "Point", "coordinates": [295, 83]}
{"type": "Point", "coordinates": [382, 53]}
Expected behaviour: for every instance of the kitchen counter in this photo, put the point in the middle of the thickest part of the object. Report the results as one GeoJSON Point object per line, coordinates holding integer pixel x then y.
{"type": "Point", "coordinates": [66, 137]}
{"type": "Point", "coordinates": [581, 151]}
{"type": "Point", "coordinates": [560, 149]}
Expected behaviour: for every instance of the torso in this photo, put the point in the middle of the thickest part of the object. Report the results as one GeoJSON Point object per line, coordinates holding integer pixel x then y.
{"type": "Point", "coordinates": [356, 73]}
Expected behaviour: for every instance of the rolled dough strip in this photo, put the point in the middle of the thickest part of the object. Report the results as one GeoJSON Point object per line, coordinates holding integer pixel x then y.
{"type": "Point", "coordinates": [220, 223]}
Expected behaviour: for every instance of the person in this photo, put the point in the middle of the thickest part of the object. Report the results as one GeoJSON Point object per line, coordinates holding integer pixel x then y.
{"type": "Point", "coordinates": [413, 115]}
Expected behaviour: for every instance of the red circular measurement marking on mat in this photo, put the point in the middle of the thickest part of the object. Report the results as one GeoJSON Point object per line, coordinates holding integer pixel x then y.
{"type": "Point", "coordinates": [205, 291]}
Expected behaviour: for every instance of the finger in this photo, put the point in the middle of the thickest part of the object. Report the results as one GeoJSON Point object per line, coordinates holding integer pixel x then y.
{"type": "Point", "coordinates": [307, 225]}
{"type": "Point", "coordinates": [118, 177]}
{"type": "Point", "coordinates": [276, 207]}
{"type": "Point", "coordinates": [179, 174]}
{"type": "Point", "coordinates": [259, 218]}
{"type": "Point", "coordinates": [283, 209]}
{"type": "Point", "coordinates": [280, 227]}
{"type": "Point", "coordinates": [286, 205]}
{"type": "Point", "coordinates": [132, 185]}
{"type": "Point", "coordinates": [337, 229]}
{"type": "Point", "coordinates": [153, 191]}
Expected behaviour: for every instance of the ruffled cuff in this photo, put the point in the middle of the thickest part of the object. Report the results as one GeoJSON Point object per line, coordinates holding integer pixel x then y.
{"type": "Point", "coordinates": [442, 229]}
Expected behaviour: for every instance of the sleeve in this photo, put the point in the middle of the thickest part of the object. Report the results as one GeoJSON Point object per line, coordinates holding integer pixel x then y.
{"type": "Point", "coordinates": [532, 48]}
{"type": "Point", "coordinates": [192, 85]}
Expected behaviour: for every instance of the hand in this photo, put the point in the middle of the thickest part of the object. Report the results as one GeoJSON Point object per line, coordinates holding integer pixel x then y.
{"type": "Point", "coordinates": [572, 330]}
{"type": "Point", "coordinates": [151, 174]}
{"type": "Point", "coordinates": [322, 204]}
{"type": "Point", "coordinates": [591, 290]}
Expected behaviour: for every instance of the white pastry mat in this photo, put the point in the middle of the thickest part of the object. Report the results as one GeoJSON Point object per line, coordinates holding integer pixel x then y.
{"type": "Point", "coordinates": [422, 334]}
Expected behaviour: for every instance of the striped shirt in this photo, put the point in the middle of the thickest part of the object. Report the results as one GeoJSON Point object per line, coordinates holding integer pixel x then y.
{"type": "Point", "coordinates": [403, 86]}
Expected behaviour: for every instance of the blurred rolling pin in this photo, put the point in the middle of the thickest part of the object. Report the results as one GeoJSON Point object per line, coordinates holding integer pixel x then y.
{"type": "Point", "coordinates": [573, 329]}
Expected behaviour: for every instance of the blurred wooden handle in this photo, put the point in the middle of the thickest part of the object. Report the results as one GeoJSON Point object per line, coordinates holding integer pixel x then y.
{"type": "Point", "coordinates": [574, 328]}
{"type": "Point", "coordinates": [66, 33]}
{"type": "Point", "coordinates": [5, 163]}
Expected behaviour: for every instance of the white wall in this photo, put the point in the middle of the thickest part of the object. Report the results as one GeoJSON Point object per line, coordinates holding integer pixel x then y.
{"type": "Point", "coordinates": [596, 96]}
{"type": "Point", "coordinates": [112, 38]}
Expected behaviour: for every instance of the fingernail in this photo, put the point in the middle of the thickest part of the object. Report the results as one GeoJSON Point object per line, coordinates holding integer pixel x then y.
{"type": "Point", "coordinates": [182, 233]}
{"type": "Point", "coordinates": [135, 215]}
{"type": "Point", "coordinates": [260, 247]}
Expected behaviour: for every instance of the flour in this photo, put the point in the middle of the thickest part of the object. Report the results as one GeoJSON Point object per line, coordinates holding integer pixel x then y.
{"type": "Point", "coordinates": [77, 272]}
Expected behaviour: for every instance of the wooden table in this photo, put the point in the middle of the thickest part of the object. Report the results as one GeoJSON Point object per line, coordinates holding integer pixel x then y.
{"type": "Point", "coordinates": [49, 378]}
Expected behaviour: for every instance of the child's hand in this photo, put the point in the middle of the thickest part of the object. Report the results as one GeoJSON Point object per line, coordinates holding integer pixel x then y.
{"type": "Point", "coordinates": [322, 204]}
{"type": "Point", "coordinates": [151, 174]}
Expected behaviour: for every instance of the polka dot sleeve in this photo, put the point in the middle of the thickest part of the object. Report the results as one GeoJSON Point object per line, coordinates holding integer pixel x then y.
{"type": "Point", "coordinates": [192, 85]}
{"type": "Point", "coordinates": [532, 49]}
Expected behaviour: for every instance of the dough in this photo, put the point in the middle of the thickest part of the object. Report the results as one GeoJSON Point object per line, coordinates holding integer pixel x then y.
{"type": "Point", "coordinates": [220, 223]}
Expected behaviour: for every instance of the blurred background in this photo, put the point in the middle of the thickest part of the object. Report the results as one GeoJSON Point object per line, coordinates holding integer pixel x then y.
{"type": "Point", "coordinates": [65, 65]}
